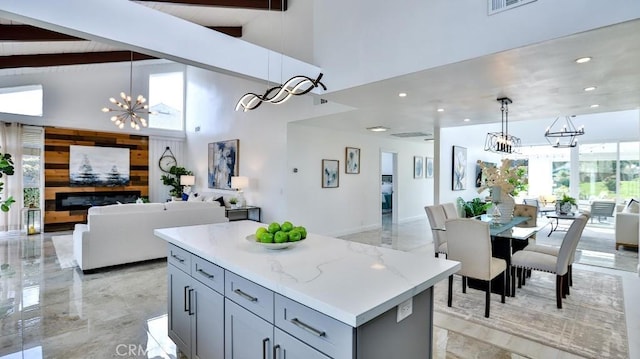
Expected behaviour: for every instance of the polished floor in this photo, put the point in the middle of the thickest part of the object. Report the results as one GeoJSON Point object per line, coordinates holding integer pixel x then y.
{"type": "Point", "coordinates": [49, 310]}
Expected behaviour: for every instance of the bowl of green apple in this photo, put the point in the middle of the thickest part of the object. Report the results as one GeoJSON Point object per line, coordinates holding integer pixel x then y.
{"type": "Point", "coordinates": [278, 235]}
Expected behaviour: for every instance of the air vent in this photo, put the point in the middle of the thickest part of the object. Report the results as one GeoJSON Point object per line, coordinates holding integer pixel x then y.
{"type": "Point", "coordinates": [496, 6]}
{"type": "Point", "coordinates": [412, 134]}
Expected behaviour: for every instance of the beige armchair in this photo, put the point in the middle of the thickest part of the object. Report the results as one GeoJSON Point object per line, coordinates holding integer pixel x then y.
{"type": "Point", "coordinates": [627, 229]}
{"type": "Point", "coordinates": [469, 242]}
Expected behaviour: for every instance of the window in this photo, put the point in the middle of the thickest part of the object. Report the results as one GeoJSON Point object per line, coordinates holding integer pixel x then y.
{"type": "Point", "coordinates": [32, 139]}
{"type": "Point", "coordinates": [166, 99]}
{"type": "Point", "coordinates": [21, 100]}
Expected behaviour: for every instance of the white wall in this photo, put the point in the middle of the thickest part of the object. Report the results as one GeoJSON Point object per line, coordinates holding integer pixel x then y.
{"type": "Point", "coordinates": [356, 41]}
{"type": "Point", "coordinates": [356, 204]}
{"type": "Point", "coordinates": [387, 163]}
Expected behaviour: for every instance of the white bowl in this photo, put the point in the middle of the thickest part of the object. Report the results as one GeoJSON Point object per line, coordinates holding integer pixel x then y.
{"type": "Point", "coordinates": [252, 238]}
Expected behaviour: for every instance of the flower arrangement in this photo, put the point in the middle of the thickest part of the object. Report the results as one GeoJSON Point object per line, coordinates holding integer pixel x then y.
{"type": "Point", "coordinates": [511, 180]}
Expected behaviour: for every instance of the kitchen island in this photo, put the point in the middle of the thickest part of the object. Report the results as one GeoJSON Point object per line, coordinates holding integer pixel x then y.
{"type": "Point", "coordinates": [322, 298]}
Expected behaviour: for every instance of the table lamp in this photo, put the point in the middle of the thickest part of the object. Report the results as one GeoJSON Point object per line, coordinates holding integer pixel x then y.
{"type": "Point", "coordinates": [239, 183]}
{"type": "Point", "coordinates": [187, 181]}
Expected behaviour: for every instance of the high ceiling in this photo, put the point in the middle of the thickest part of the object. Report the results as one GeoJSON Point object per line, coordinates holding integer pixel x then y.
{"type": "Point", "coordinates": [543, 80]}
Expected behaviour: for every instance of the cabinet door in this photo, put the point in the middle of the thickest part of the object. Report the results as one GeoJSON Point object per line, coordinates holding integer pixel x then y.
{"type": "Point", "coordinates": [246, 335]}
{"type": "Point", "coordinates": [180, 291]}
{"type": "Point", "coordinates": [288, 347]}
{"type": "Point", "coordinates": [208, 323]}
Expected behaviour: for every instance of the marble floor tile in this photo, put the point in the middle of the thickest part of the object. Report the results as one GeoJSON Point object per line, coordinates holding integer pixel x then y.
{"type": "Point", "coordinates": [51, 312]}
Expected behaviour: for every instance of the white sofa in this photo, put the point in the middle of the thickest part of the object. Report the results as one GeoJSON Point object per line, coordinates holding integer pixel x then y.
{"type": "Point", "coordinates": [123, 233]}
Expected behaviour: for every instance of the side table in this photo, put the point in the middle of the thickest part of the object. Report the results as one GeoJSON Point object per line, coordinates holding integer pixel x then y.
{"type": "Point", "coordinates": [247, 212]}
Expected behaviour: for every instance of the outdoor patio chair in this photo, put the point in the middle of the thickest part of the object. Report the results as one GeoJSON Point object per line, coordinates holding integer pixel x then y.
{"type": "Point", "coordinates": [602, 209]}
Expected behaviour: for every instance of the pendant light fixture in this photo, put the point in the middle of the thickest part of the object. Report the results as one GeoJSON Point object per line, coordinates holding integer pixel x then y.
{"type": "Point", "coordinates": [127, 110]}
{"type": "Point", "coordinates": [565, 136]}
{"type": "Point", "coordinates": [295, 86]}
{"type": "Point", "coordinates": [503, 142]}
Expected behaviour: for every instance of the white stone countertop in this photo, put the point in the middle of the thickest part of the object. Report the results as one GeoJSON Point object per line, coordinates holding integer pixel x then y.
{"type": "Point", "coordinates": [348, 281]}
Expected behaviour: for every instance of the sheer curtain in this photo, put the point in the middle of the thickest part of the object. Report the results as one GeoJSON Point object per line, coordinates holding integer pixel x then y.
{"type": "Point", "coordinates": [11, 142]}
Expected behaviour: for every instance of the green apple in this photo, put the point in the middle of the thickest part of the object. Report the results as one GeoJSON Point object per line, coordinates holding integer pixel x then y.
{"type": "Point", "coordinates": [281, 237]}
{"type": "Point", "coordinates": [286, 226]}
{"type": "Point", "coordinates": [303, 231]}
{"type": "Point", "coordinates": [274, 227]}
{"type": "Point", "coordinates": [259, 232]}
{"type": "Point", "coordinates": [295, 235]}
{"type": "Point", "coordinates": [266, 237]}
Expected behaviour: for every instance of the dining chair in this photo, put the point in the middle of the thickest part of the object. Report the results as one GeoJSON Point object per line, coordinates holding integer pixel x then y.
{"type": "Point", "coordinates": [437, 218]}
{"type": "Point", "coordinates": [559, 265]}
{"type": "Point", "coordinates": [450, 210]}
{"type": "Point", "coordinates": [532, 202]}
{"type": "Point", "coordinates": [469, 242]}
{"type": "Point", "coordinates": [553, 250]}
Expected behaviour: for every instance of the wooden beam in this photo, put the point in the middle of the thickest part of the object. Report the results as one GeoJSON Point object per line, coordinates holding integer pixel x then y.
{"type": "Point", "coordinates": [31, 33]}
{"type": "Point", "coordinates": [63, 59]}
{"type": "Point", "coordinates": [234, 31]}
{"type": "Point", "coordinates": [238, 4]}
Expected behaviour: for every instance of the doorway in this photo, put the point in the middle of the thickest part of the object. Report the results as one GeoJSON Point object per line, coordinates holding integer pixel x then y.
{"type": "Point", "coordinates": [388, 188]}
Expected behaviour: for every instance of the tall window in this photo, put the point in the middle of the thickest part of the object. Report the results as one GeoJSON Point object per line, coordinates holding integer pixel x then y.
{"type": "Point", "coordinates": [166, 99]}
{"type": "Point", "coordinates": [598, 168]}
{"type": "Point", "coordinates": [21, 100]}
{"type": "Point", "coordinates": [629, 170]}
{"type": "Point", "coordinates": [32, 139]}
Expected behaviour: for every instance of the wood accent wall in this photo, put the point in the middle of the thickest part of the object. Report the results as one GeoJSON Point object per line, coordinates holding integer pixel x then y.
{"type": "Point", "coordinates": [56, 170]}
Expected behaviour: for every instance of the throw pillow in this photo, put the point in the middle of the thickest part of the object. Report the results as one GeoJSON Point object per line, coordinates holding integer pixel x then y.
{"type": "Point", "coordinates": [220, 200]}
{"type": "Point", "coordinates": [632, 207]}
{"type": "Point", "coordinates": [194, 198]}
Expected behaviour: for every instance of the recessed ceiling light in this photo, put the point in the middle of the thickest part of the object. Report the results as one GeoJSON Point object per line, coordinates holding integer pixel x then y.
{"type": "Point", "coordinates": [467, 119]}
{"type": "Point", "coordinates": [377, 129]}
{"type": "Point", "coordinates": [402, 94]}
{"type": "Point", "coordinates": [590, 88]}
{"type": "Point", "coordinates": [440, 110]}
{"type": "Point", "coordinates": [583, 60]}
{"type": "Point", "coordinates": [595, 105]}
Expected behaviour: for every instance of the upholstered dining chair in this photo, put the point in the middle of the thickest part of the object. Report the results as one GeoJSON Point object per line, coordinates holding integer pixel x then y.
{"type": "Point", "coordinates": [437, 219]}
{"type": "Point", "coordinates": [559, 264]}
{"type": "Point", "coordinates": [469, 242]}
{"type": "Point", "coordinates": [532, 202]}
{"type": "Point", "coordinates": [450, 210]}
{"type": "Point", "coordinates": [553, 250]}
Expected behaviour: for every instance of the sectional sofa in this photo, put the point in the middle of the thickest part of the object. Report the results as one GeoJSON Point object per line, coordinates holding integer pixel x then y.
{"type": "Point", "coordinates": [123, 233]}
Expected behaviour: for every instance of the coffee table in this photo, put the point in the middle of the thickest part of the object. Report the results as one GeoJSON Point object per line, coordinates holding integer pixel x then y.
{"type": "Point", "coordinates": [557, 217]}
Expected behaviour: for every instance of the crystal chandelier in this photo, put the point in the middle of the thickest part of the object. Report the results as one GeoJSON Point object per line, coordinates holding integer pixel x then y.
{"type": "Point", "coordinates": [127, 110]}
{"type": "Point", "coordinates": [565, 136]}
{"type": "Point", "coordinates": [502, 141]}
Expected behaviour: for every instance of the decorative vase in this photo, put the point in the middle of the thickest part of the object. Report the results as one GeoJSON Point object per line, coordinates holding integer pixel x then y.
{"type": "Point", "coordinates": [564, 207]}
{"type": "Point", "coordinates": [506, 207]}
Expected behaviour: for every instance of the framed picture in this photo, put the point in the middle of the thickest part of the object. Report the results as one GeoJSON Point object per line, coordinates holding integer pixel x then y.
{"type": "Point", "coordinates": [418, 166]}
{"type": "Point", "coordinates": [428, 168]}
{"type": "Point", "coordinates": [352, 160]}
{"type": "Point", "coordinates": [223, 163]}
{"type": "Point", "coordinates": [94, 166]}
{"type": "Point", "coordinates": [330, 173]}
{"type": "Point", "coordinates": [459, 178]}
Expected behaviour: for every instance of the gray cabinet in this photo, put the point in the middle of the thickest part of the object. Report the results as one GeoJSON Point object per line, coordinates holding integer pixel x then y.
{"type": "Point", "coordinates": [288, 347]}
{"type": "Point", "coordinates": [196, 305]}
{"type": "Point", "coordinates": [247, 336]}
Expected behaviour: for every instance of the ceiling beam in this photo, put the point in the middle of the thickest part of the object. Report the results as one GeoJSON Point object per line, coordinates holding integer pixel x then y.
{"type": "Point", "coordinates": [27, 33]}
{"type": "Point", "coordinates": [81, 58]}
{"type": "Point", "coordinates": [239, 4]}
{"type": "Point", "coordinates": [32, 33]}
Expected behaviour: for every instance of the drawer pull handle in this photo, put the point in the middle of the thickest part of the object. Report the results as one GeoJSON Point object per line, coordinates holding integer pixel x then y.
{"type": "Point", "coordinates": [181, 260]}
{"type": "Point", "coordinates": [276, 349]}
{"type": "Point", "coordinates": [246, 296]}
{"type": "Point", "coordinates": [210, 276]}
{"type": "Point", "coordinates": [307, 327]}
{"type": "Point", "coordinates": [187, 302]}
{"type": "Point", "coordinates": [265, 341]}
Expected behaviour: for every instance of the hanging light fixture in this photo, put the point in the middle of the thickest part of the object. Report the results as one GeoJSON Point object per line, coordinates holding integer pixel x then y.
{"type": "Point", "coordinates": [295, 86]}
{"type": "Point", "coordinates": [566, 135]}
{"type": "Point", "coordinates": [127, 110]}
{"type": "Point", "coordinates": [502, 141]}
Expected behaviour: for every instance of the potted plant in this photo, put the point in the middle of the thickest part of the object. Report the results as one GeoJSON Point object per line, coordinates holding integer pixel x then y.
{"type": "Point", "coordinates": [172, 179]}
{"type": "Point", "coordinates": [565, 204]}
{"type": "Point", "coordinates": [234, 202]}
{"type": "Point", "coordinates": [473, 208]}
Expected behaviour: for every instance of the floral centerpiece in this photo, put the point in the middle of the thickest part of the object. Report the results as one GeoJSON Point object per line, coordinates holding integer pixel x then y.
{"type": "Point", "coordinates": [503, 182]}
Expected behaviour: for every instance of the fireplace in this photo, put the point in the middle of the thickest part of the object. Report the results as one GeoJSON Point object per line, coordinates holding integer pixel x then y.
{"type": "Point", "coordinates": [82, 200]}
